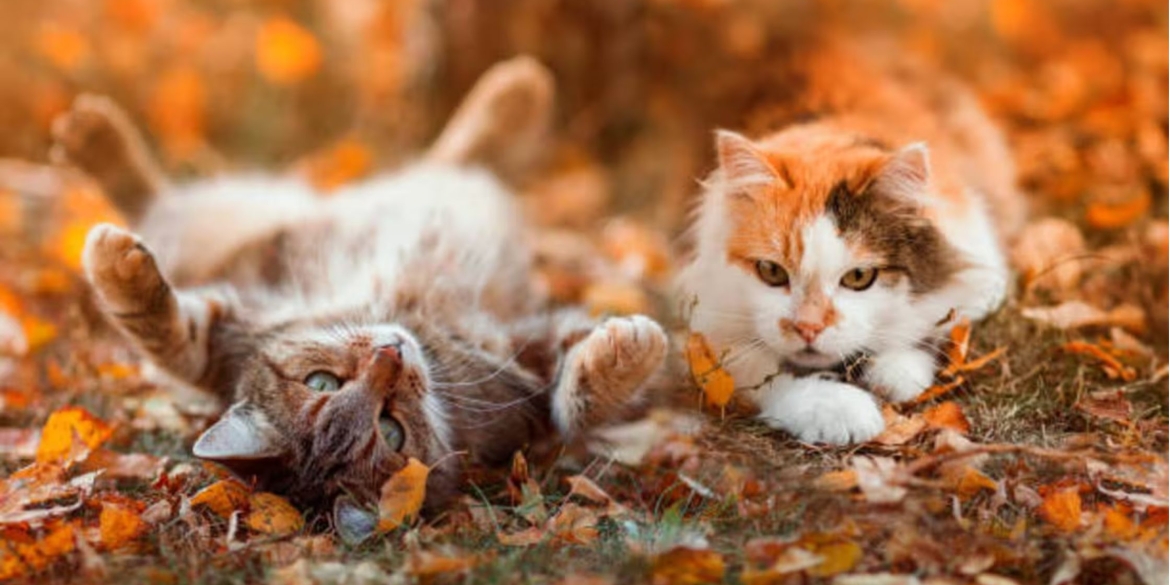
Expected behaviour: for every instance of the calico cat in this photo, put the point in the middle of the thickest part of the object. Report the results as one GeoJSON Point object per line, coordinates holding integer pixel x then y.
{"type": "Point", "coordinates": [391, 319]}
{"type": "Point", "coordinates": [843, 242]}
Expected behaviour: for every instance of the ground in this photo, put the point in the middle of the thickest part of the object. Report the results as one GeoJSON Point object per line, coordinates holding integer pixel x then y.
{"type": "Point", "coordinates": [1040, 456]}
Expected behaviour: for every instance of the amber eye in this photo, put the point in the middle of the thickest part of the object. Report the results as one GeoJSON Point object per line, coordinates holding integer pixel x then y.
{"type": "Point", "coordinates": [771, 273]}
{"type": "Point", "coordinates": [391, 431]}
{"type": "Point", "coordinates": [859, 278]}
{"type": "Point", "coordinates": [323, 381]}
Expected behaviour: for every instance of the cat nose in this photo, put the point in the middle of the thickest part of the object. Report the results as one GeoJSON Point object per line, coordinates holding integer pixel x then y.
{"type": "Point", "coordinates": [385, 367]}
{"type": "Point", "coordinates": [808, 330]}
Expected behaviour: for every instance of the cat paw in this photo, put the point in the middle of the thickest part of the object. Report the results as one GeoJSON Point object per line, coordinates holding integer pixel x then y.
{"type": "Point", "coordinates": [605, 369]}
{"type": "Point", "coordinates": [92, 135]}
{"type": "Point", "coordinates": [901, 375]}
{"type": "Point", "coordinates": [816, 410]}
{"type": "Point", "coordinates": [122, 270]}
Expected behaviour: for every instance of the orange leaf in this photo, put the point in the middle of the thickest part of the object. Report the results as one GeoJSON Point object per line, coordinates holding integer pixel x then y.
{"type": "Point", "coordinates": [119, 526]}
{"type": "Point", "coordinates": [1118, 523]}
{"type": "Point", "coordinates": [968, 481]}
{"type": "Point", "coordinates": [1062, 508]}
{"type": "Point", "coordinates": [59, 431]}
{"type": "Point", "coordinates": [947, 415]}
{"type": "Point", "coordinates": [223, 497]}
{"type": "Point", "coordinates": [939, 390]}
{"type": "Point", "coordinates": [899, 429]}
{"type": "Point", "coordinates": [427, 564]}
{"type": "Point", "coordinates": [1108, 362]}
{"type": "Point", "coordinates": [344, 162]}
{"type": "Point", "coordinates": [716, 383]}
{"type": "Point", "coordinates": [286, 53]}
{"type": "Point", "coordinates": [688, 566]}
{"type": "Point", "coordinates": [21, 558]}
{"type": "Point", "coordinates": [841, 480]}
{"type": "Point", "coordinates": [178, 110]}
{"type": "Point", "coordinates": [403, 495]}
{"type": "Point", "coordinates": [1108, 215]}
{"type": "Point", "coordinates": [637, 249]}
{"type": "Point", "coordinates": [272, 514]}
{"type": "Point", "coordinates": [615, 297]}
{"type": "Point", "coordinates": [66, 48]}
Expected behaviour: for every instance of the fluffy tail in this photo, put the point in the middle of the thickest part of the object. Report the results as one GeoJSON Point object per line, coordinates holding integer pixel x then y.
{"type": "Point", "coordinates": [98, 137]}
{"type": "Point", "coordinates": [503, 121]}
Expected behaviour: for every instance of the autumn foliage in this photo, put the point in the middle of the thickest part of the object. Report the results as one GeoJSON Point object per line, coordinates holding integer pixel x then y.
{"type": "Point", "coordinates": [1038, 456]}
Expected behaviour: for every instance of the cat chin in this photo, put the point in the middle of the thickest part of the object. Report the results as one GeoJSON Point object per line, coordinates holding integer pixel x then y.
{"type": "Point", "coordinates": [812, 360]}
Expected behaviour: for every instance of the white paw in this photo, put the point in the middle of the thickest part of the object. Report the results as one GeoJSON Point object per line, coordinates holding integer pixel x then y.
{"type": "Point", "coordinates": [901, 375]}
{"type": "Point", "coordinates": [820, 411]}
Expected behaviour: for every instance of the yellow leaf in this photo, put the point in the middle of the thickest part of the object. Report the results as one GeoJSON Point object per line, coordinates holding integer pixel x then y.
{"type": "Point", "coordinates": [63, 425]}
{"type": "Point", "coordinates": [21, 558]}
{"type": "Point", "coordinates": [838, 557]}
{"type": "Point", "coordinates": [1062, 508]}
{"type": "Point", "coordinates": [716, 383]}
{"type": "Point", "coordinates": [286, 53]}
{"type": "Point", "coordinates": [403, 495]}
{"type": "Point", "coordinates": [223, 497]}
{"type": "Point", "coordinates": [178, 110]}
{"type": "Point", "coordinates": [272, 514]}
{"type": "Point", "coordinates": [119, 526]}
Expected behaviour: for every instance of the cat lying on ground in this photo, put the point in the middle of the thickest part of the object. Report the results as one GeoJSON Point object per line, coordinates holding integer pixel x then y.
{"type": "Point", "coordinates": [844, 242]}
{"type": "Point", "coordinates": [392, 319]}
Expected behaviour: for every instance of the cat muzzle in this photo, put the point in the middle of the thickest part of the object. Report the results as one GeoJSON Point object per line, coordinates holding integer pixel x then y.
{"type": "Point", "coordinates": [385, 368]}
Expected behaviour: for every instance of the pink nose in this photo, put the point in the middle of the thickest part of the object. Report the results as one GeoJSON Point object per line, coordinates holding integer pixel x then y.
{"type": "Point", "coordinates": [808, 331]}
{"type": "Point", "coordinates": [385, 368]}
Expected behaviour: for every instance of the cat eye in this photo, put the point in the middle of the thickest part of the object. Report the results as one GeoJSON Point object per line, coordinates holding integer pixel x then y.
{"type": "Point", "coordinates": [859, 278]}
{"type": "Point", "coordinates": [323, 381]}
{"type": "Point", "coordinates": [391, 431]}
{"type": "Point", "coordinates": [771, 273]}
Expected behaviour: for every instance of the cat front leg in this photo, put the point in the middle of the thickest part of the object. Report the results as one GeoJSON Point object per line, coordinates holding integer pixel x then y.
{"type": "Point", "coordinates": [180, 332]}
{"type": "Point", "coordinates": [602, 372]}
{"type": "Point", "coordinates": [820, 410]}
{"type": "Point", "coordinates": [901, 374]}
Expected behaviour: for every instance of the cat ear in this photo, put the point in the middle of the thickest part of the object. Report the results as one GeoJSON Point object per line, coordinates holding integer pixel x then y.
{"type": "Point", "coordinates": [743, 164]}
{"type": "Point", "coordinates": [907, 174]}
{"type": "Point", "coordinates": [241, 433]}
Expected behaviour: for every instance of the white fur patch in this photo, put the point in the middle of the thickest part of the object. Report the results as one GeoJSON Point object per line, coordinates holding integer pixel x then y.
{"type": "Point", "coordinates": [820, 411]}
{"type": "Point", "coordinates": [901, 374]}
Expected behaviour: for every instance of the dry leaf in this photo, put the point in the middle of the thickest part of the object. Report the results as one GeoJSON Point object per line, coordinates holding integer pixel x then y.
{"type": "Point", "coordinates": [63, 427]}
{"type": "Point", "coordinates": [427, 564]}
{"type": "Point", "coordinates": [1108, 404]}
{"type": "Point", "coordinates": [841, 480]}
{"type": "Point", "coordinates": [639, 251]}
{"type": "Point", "coordinates": [1111, 365]}
{"type": "Point", "coordinates": [272, 514]}
{"type": "Point", "coordinates": [1077, 314]}
{"type": "Point", "coordinates": [716, 383]}
{"type": "Point", "coordinates": [223, 497]}
{"type": "Point", "coordinates": [1048, 254]}
{"type": "Point", "coordinates": [878, 479]}
{"type": "Point", "coordinates": [1062, 508]}
{"type": "Point", "coordinates": [119, 526]}
{"type": "Point", "coordinates": [948, 415]}
{"type": "Point", "coordinates": [344, 162]}
{"type": "Point", "coordinates": [900, 429]}
{"type": "Point", "coordinates": [687, 566]}
{"type": "Point", "coordinates": [1110, 215]}
{"type": "Point", "coordinates": [26, 557]}
{"type": "Point", "coordinates": [403, 495]}
{"type": "Point", "coordinates": [615, 298]}
{"type": "Point", "coordinates": [574, 524]}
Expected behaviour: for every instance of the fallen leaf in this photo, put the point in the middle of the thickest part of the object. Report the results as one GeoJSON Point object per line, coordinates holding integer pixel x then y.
{"type": "Point", "coordinates": [716, 383]}
{"type": "Point", "coordinates": [403, 495]}
{"type": "Point", "coordinates": [948, 415]}
{"type": "Point", "coordinates": [1113, 215]}
{"type": "Point", "coordinates": [841, 480]}
{"type": "Point", "coordinates": [1107, 404]}
{"type": "Point", "coordinates": [1077, 314]}
{"type": "Point", "coordinates": [23, 558]}
{"type": "Point", "coordinates": [967, 481]}
{"type": "Point", "coordinates": [1111, 365]}
{"type": "Point", "coordinates": [574, 524]}
{"type": "Point", "coordinates": [272, 514]}
{"type": "Point", "coordinates": [939, 390]}
{"type": "Point", "coordinates": [1049, 255]}
{"type": "Point", "coordinates": [584, 488]}
{"type": "Point", "coordinates": [1062, 508]}
{"type": "Point", "coordinates": [638, 250]}
{"type": "Point", "coordinates": [615, 297]}
{"type": "Point", "coordinates": [119, 526]}
{"type": "Point", "coordinates": [687, 566]}
{"type": "Point", "coordinates": [877, 478]}
{"type": "Point", "coordinates": [900, 429]}
{"type": "Point", "coordinates": [223, 497]}
{"type": "Point", "coordinates": [348, 160]}
{"type": "Point", "coordinates": [525, 492]}
{"type": "Point", "coordinates": [65, 424]}
{"type": "Point", "coordinates": [425, 564]}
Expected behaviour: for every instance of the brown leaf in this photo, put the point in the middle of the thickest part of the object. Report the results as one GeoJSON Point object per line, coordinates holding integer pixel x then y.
{"type": "Point", "coordinates": [687, 566]}
{"type": "Point", "coordinates": [948, 415]}
{"type": "Point", "coordinates": [1049, 255]}
{"type": "Point", "coordinates": [1111, 365]}
{"type": "Point", "coordinates": [900, 429]}
{"type": "Point", "coordinates": [223, 497]}
{"type": "Point", "coordinates": [425, 564]}
{"type": "Point", "coordinates": [1112, 215]}
{"type": "Point", "coordinates": [574, 524]}
{"type": "Point", "coordinates": [1108, 404]}
{"type": "Point", "coordinates": [1077, 314]}
{"type": "Point", "coordinates": [272, 514]}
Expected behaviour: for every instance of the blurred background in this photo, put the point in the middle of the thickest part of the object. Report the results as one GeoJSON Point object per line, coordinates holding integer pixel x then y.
{"type": "Point", "coordinates": [340, 89]}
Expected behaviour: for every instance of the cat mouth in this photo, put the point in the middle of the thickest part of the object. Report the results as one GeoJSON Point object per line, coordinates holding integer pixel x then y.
{"type": "Point", "coordinates": [810, 358]}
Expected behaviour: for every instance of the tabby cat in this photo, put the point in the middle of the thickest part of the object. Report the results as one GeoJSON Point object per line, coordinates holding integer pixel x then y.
{"type": "Point", "coordinates": [392, 319]}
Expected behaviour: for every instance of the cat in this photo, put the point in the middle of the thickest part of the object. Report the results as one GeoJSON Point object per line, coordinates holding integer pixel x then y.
{"type": "Point", "coordinates": [392, 319]}
{"type": "Point", "coordinates": [828, 254]}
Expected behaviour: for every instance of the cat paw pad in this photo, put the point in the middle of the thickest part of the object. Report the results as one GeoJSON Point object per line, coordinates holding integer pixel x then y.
{"type": "Point", "coordinates": [91, 135]}
{"type": "Point", "coordinates": [625, 347]}
{"type": "Point", "coordinates": [120, 268]}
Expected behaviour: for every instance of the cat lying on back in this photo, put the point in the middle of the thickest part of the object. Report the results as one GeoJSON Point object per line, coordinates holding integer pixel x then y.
{"type": "Point", "coordinates": [844, 243]}
{"type": "Point", "coordinates": [391, 319]}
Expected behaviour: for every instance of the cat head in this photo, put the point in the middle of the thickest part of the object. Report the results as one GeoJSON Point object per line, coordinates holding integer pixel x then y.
{"type": "Point", "coordinates": [827, 241]}
{"type": "Point", "coordinates": [329, 412]}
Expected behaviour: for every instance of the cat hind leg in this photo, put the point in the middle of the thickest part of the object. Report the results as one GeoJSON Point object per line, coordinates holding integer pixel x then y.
{"type": "Point", "coordinates": [603, 371]}
{"type": "Point", "coordinates": [98, 137]}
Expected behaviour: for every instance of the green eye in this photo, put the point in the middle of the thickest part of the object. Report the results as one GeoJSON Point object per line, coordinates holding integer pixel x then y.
{"type": "Point", "coordinates": [323, 381]}
{"type": "Point", "coordinates": [391, 431]}
{"type": "Point", "coordinates": [859, 278]}
{"type": "Point", "coordinates": [771, 273]}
